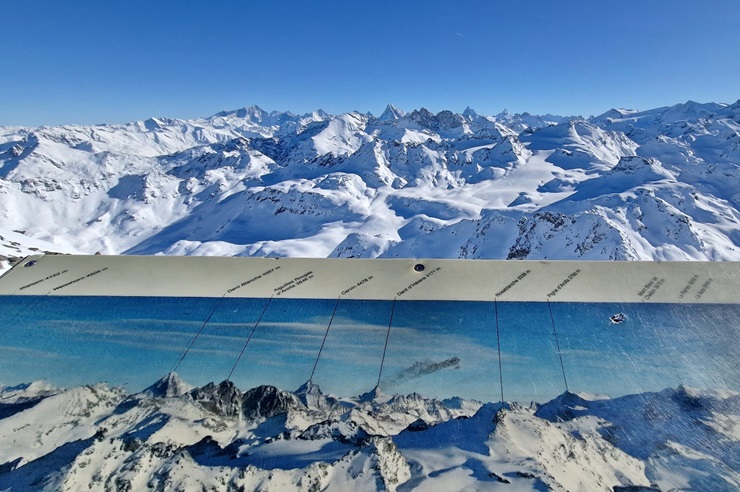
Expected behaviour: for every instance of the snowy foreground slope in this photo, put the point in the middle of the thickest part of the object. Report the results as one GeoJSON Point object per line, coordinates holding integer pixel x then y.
{"type": "Point", "coordinates": [659, 184]}
{"type": "Point", "coordinates": [217, 437]}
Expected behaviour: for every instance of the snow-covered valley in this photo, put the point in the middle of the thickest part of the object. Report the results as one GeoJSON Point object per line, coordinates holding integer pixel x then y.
{"type": "Point", "coordinates": [661, 184]}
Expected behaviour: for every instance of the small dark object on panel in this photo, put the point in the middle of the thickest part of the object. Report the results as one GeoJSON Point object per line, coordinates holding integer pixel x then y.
{"type": "Point", "coordinates": [618, 318]}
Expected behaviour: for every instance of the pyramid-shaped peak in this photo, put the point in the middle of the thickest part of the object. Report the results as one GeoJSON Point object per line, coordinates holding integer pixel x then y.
{"type": "Point", "coordinates": [421, 113]}
{"type": "Point", "coordinates": [169, 386]}
{"type": "Point", "coordinates": [374, 395]}
{"type": "Point", "coordinates": [308, 388]}
{"type": "Point", "coordinates": [392, 113]}
{"type": "Point", "coordinates": [470, 113]}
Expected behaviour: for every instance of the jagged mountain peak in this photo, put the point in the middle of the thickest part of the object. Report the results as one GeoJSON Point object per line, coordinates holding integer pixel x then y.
{"type": "Point", "coordinates": [420, 115]}
{"type": "Point", "coordinates": [280, 184]}
{"type": "Point", "coordinates": [168, 386]}
{"type": "Point", "coordinates": [392, 113]}
{"type": "Point", "coordinates": [374, 395]}
{"type": "Point", "coordinates": [446, 123]}
{"type": "Point", "coordinates": [253, 113]}
{"type": "Point", "coordinates": [630, 164]}
{"type": "Point", "coordinates": [647, 441]}
{"type": "Point", "coordinates": [268, 401]}
{"type": "Point", "coordinates": [308, 387]}
{"type": "Point", "coordinates": [221, 399]}
{"type": "Point", "coordinates": [470, 113]}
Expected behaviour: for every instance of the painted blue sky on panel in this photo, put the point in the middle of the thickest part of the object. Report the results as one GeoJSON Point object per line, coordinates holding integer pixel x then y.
{"type": "Point", "coordinates": [439, 349]}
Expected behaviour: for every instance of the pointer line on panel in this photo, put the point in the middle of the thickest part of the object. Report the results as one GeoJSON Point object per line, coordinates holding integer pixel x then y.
{"type": "Point", "coordinates": [498, 343]}
{"type": "Point", "coordinates": [198, 334]}
{"type": "Point", "coordinates": [264, 309]}
{"type": "Point", "coordinates": [310, 379]}
{"type": "Point", "coordinates": [385, 347]}
{"type": "Point", "coordinates": [557, 344]}
{"type": "Point", "coordinates": [22, 313]}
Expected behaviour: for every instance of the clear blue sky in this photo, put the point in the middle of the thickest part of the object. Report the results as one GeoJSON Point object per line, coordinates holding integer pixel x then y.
{"type": "Point", "coordinates": [93, 61]}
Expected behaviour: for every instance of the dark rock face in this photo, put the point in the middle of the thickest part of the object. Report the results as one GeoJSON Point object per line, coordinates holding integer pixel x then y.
{"type": "Point", "coordinates": [268, 401]}
{"type": "Point", "coordinates": [222, 399]}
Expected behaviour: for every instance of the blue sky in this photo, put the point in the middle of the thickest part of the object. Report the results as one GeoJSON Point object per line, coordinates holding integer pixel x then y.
{"type": "Point", "coordinates": [91, 61]}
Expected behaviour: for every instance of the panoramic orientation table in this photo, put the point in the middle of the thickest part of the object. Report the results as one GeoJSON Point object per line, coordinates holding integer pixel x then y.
{"type": "Point", "coordinates": [489, 330]}
{"type": "Point", "coordinates": [184, 373]}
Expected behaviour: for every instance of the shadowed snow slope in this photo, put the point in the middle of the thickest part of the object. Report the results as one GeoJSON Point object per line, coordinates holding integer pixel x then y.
{"type": "Point", "coordinates": [634, 185]}
{"type": "Point", "coordinates": [218, 437]}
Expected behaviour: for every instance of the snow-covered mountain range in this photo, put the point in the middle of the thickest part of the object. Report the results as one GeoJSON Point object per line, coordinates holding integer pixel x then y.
{"type": "Point", "coordinates": [662, 184]}
{"type": "Point", "coordinates": [218, 437]}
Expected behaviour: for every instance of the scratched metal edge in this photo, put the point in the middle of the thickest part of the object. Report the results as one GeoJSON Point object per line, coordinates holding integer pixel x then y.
{"type": "Point", "coordinates": [375, 279]}
{"type": "Point", "coordinates": [25, 259]}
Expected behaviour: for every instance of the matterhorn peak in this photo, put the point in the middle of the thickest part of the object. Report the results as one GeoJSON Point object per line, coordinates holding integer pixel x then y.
{"type": "Point", "coordinates": [392, 113]}
{"type": "Point", "coordinates": [470, 113]}
{"type": "Point", "coordinates": [168, 386]}
{"type": "Point", "coordinates": [374, 395]}
{"type": "Point", "coordinates": [308, 387]}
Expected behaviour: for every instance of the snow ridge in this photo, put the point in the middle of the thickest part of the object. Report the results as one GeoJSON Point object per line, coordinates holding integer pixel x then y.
{"type": "Point", "coordinates": [634, 185]}
{"type": "Point", "coordinates": [218, 437]}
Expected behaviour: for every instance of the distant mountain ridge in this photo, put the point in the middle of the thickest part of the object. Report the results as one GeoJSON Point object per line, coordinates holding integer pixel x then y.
{"type": "Point", "coordinates": [218, 437]}
{"type": "Point", "coordinates": [659, 184]}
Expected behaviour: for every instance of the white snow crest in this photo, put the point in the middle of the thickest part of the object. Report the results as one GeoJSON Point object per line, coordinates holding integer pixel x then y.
{"type": "Point", "coordinates": [221, 438]}
{"type": "Point", "coordinates": [249, 182]}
